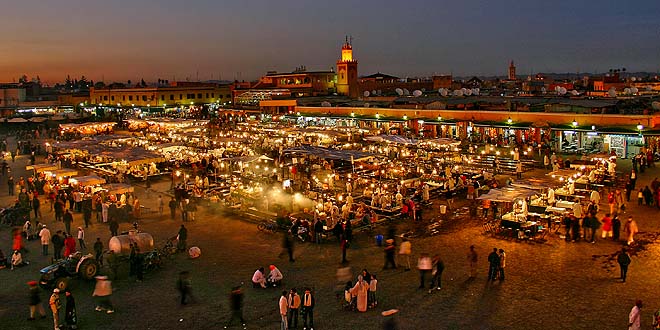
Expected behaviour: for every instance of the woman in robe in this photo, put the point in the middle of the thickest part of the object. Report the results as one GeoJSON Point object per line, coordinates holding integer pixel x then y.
{"type": "Point", "coordinates": [360, 290]}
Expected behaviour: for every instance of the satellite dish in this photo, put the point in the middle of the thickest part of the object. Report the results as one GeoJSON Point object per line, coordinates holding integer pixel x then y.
{"type": "Point", "coordinates": [543, 90]}
{"type": "Point", "coordinates": [634, 90]}
{"type": "Point", "coordinates": [612, 92]}
{"type": "Point", "coordinates": [626, 90]}
{"type": "Point", "coordinates": [417, 93]}
{"type": "Point", "coordinates": [366, 104]}
{"type": "Point", "coordinates": [468, 92]}
{"type": "Point", "coordinates": [379, 92]}
{"type": "Point", "coordinates": [373, 92]}
{"type": "Point", "coordinates": [655, 105]}
{"type": "Point", "coordinates": [575, 93]}
{"type": "Point", "coordinates": [562, 91]}
{"type": "Point", "coordinates": [557, 89]}
{"type": "Point", "coordinates": [326, 104]}
{"type": "Point", "coordinates": [406, 92]}
{"type": "Point", "coordinates": [443, 92]}
{"type": "Point", "coordinates": [366, 93]}
{"type": "Point", "coordinates": [399, 91]}
{"type": "Point", "coordinates": [463, 90]}
{"type": "Point", "coordinates": [476, 91]}
{"type": "Point", "coordinates": [458, 92]}
{"type": "Point", "coordinates": [633, 78]}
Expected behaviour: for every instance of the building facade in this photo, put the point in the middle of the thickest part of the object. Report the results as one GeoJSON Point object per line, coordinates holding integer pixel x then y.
{"type": "Point", "coordinates": [176, 94]}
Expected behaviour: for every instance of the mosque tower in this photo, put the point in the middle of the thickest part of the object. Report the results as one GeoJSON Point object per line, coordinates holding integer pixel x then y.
{"type": "Point", "coordinates": [347, 73]}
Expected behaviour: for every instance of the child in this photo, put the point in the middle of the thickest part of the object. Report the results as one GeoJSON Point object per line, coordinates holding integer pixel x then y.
{"type": "Point", "coordinates": [640, 197]}
{"type": "Point", "coordinates": [372, 291]}
{"type": "Point", "coordinates": [349, 300]}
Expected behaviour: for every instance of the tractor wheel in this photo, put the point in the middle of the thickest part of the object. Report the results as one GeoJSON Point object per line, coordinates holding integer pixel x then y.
{"type": "Point", "coordinates": [88, 269]}
{"type": "Point", "coordinates": [62, 283]}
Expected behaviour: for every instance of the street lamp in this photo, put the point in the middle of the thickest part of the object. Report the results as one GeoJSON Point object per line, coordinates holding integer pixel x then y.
{"type": "Point", "coordinates": [640, 126]}
{"type": "Point", "coordinates": [377, 115]}
{"type": "Point", "coordinates": [439, 118]}
{"type": "Point", "coordinates": [575, 123]}
{"type": "Point", "coordinates": [352, 114]}
{"type": "Point", "coordinates": [405, 117]}
{"type": "Point", "coordinates": [509, 121]}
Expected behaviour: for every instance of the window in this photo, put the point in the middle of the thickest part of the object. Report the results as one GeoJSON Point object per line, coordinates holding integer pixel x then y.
{"type": "Point", "coordinates": [199, 95]}
{"type": "Point", "coordinates": [228, 96]}
{"type": "Point", "coordinates": [105, 98]}
{"type": "Point", "coordinates": [144, 97]}
{"type": "Point", "coordinates": [171, 97]}
{"type": "Point", "coordinates": [220, 97]}
{"type": "Point", "coordinates": [212, 95]}
{"type": "Point", "coordinates": [123, 97]}
{"type": "Point", "coordinates": [112, 98]}
{"type": "Point", "coordinates": [180, 96]}
{"type": "Point", "coordinates": [207, 95]}
{"type": "Point", "coordinates": [130, 97]}
{"type": "Point", "coordinates": [162, 97]}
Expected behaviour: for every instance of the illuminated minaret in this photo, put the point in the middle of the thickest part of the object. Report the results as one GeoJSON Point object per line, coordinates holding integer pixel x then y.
{"type": "Point", "coordinates": [512, 71]}
{"type": "Point", "coordinates": [347, 74]}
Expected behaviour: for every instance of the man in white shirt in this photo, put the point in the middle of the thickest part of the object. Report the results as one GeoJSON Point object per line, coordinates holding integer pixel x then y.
{"type": "Point", "coordinates": [635, 316]}
{"type": "Point", "coordinates": [283, 304]}
{"type": "Point", "coordinates": [45, 236]}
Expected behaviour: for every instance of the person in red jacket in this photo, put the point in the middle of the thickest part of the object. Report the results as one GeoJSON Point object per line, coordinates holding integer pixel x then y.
{"type": "Point", "coordinates": [69, 245]}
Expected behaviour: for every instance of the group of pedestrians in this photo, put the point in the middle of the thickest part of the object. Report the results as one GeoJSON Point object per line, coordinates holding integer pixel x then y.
{"type": "Point", "coordinates": [291, 304]}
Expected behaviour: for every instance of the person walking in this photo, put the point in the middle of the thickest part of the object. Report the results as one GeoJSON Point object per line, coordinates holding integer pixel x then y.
{"type": "Point", "coordinates": [502, 256]}
{"type": "Point", "coordinates": [236, 304]}
{"type": "Point", "coordinates": [631, 229]}
{"type": "Point", "coordinates": [425, 265]}
{"type": "Point", "coordinates": [55, 306]}
{"type": "Point", "coordinates": [344, 248]}
{"type": "Point", "coordinates": [436, 273]}
{"type": "Point", "coordinates": [113, 263]}
{"type": "Point", "coordinates": [103, 293]}
{"type": "Point", "coordinates": [173, 206]}
{"type": "Point", "coordinates": [182, 245]}
{"type": "Point", "coordinates": [161, 205]}
{"type": "Point", "coordinates": [308, 309]}
{"type": "Point", "coordinates": [373, 287]}
{"type": "Point", "coordinates": [81, 238]}
{"type": "Point", "coordinates": [114, 227]}
{"type": "Point", "coordinates": [405, 250]}
{"type": "Point", "coordinates": [389, 254]}
{"type": "Point", "coordinates": [472, 261]}
{"type": "Point", "coordinates": [98, 251]}
{"type": "Point", "coordinates": [68, 219]}
{"type": "Point", "coordinates": [616, 227]}
{"type": "Point", "coordinates": [184, 286]}
{"type": "Point", "coordinates": [493, 265]}
{"type": "Point", "coordinates": [635, 316]}
{"type": "Point", "coordinates": [36, 206]}
{"type": "Point", "coordinates": [283, 305]}
{"type": "Point", "coordinates": [70, 315]}
{"type": "Point", "coordinates": [294, 308]}
{"type": "Point", "coordinates": [58, 244]}
{"type": "Point", "coordinates": [623, 259]}
{"type": "Point", "coordinates": [35, 301]}
{"type": "Point", "coordinates": [45, 236]}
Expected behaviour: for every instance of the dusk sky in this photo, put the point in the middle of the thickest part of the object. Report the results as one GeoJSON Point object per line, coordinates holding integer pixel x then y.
{"type": "Point", "coordinates": [133, 39]}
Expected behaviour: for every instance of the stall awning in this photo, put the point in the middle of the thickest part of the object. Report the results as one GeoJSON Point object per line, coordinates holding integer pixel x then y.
{"type": "Point", "coordinates": [507, 195]}
{"type": "Point", "coordinates": [116, 188]}
{"type": "Point", "coordinates": [41, 167]}
{"type": "Point", "coordinates": [63, 172]}
{"type": "Point", "coordinates": [345, 155]}
{"type": "Point", "coordinates": [89, 180]}
{"type": "Point", "coordinates": [396, 139]}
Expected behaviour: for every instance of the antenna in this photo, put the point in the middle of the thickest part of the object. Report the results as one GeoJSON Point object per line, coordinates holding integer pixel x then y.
{"type": "Point", "coordinates": [351, 40]}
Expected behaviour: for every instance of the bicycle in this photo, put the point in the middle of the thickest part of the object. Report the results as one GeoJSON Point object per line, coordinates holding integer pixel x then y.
{"type": "Point", "coordinates": [268, 226]}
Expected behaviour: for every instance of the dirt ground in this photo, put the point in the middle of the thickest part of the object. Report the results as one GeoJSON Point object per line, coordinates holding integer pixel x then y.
{"type": "Point", "coordinates": [554, 285]}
